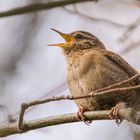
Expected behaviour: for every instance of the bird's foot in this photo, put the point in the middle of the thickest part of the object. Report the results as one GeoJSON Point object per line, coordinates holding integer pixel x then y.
{"type": "Point", "coordinates": [80, 115]}
{"type": "Point", "coordinates": [114, 112]}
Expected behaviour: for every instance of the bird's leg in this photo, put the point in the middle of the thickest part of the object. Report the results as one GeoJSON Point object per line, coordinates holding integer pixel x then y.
{"type": "Point", "coordinates": [80, 114]}
{"type": "Point", "coordinates": [114, 112]}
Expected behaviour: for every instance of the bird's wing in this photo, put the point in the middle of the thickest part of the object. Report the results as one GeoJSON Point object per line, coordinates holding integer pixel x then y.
{"type": "Point", "coordinates": [120, 62]}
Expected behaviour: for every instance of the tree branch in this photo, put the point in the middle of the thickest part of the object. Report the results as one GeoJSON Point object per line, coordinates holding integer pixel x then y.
{"type": "Point", "coordinates": [39, 6]}
{"type": "Point", "coordinates": [130, 30]}
{"type": "Point", "coordinates": [97, 19]}
{"type": "Point", "coordinates": [128, 114]}
{"type": "Point", "coordinates": [131, 47]}
{"type": "Point", "coordinates": [110, 91]}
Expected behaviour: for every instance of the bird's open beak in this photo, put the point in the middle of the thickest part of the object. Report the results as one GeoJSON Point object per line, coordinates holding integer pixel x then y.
{"type": "Point", "coordinates": [68, 40]}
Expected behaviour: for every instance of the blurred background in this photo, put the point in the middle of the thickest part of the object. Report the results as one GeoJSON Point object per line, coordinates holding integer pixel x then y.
{"type": "Point", "coordinates": [31, 70]}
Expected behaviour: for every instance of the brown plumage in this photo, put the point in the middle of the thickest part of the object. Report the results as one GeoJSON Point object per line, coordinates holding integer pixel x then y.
{"type": "Point", "coordinates": [90, 66]}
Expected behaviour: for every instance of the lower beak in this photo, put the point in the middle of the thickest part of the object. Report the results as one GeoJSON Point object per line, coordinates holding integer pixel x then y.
{"type": "Point", "coordinates": [68, 39]}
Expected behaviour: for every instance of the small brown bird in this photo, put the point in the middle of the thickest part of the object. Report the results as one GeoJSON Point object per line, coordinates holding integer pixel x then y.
{"type": "Point", "coordinates": [90, 66]}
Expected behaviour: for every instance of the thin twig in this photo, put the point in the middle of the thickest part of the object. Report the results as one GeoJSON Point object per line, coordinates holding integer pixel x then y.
{"type": "Point", "coordinates": [54, 91]}
{"type": "Point", "coordinates": [39, 6]}
{"type": "Point", "coordinates": [131, 47]}
{"type": "Point", "coordinates": [97, 19]}
{"type": "Point", "coordinates": [131, 28]}
{"type": "Point", "coordinates": [120, 83]}
{"type": "Point", "coordinates": [126, 37]}
{"type": "Point", "coordinates": [128, 114]}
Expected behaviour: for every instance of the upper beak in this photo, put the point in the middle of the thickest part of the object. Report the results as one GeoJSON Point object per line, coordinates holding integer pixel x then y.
{"type": "Point", "coordinates": [68, 39]}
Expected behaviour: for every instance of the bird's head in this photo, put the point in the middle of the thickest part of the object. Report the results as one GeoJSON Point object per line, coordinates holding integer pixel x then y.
{"type": "Point", "coordinates": [78, 40]}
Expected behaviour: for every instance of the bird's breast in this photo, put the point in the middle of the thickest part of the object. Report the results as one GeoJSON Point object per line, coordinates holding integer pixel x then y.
{"type": "Point", "coordinates": [92, 71]}
{"type": "Point", "coordinates": [79, 74]}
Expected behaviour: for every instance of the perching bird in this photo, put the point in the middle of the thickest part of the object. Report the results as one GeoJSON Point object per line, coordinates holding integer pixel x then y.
{"type": "Point", "coordinates": [90, 66]}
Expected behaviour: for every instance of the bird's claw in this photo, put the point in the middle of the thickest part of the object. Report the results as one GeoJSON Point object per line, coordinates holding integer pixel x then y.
{"type": "Point", "coordinates": [114, 115]}
{"type": "Point", "coordinates": [115, 110]}
{"type": "Point", "coordinates": [81, 117]}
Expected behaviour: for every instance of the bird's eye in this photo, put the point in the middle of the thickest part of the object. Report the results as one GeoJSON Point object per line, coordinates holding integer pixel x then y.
{"type": "Point", "coordinates": [79, 36]}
